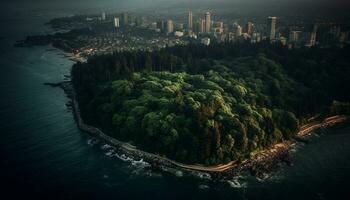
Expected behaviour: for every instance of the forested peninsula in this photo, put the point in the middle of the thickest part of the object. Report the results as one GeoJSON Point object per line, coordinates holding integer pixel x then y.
{"type": "Point", "coordinates": [211, 104]}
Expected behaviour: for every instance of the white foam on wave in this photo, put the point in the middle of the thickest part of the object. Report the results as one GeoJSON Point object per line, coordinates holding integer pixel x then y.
{"type": "Point", "coordinates": [123, 157]}
{"type": "Point", "coordinates": [179, 173]}
{"type": "Point", "coordinates": [202, 175]}
{"type": "Point", "coordinates": [236, 184]}
{"type": "Point", "coordinates": [108, 149]}
{"type": "Point", "coordinates": [110, 153]}
{"type": "Point", "coordinates": [136, 163]}
{"type": "Point", "coordinates": [296, 147]}
{"type": "Point", "coordinates": [140, 163]}
{"type": "Point", "coordinates": [293, 149]}
{"type": "Point", "coordinates": [264, 177]}
{"type": "Point", "coordinates": [92, 141]}
{"type": "Point", "coordinates": [106, 146]}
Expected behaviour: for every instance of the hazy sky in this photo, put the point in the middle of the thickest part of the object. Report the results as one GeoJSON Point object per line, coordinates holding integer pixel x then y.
{"type": "Point", "coordinates": [137, 4]}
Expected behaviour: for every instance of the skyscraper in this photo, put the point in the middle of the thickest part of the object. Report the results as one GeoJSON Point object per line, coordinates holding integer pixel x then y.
{"type": "Point", "coordinates": [207, 22]}
{"type": "Point", "coordinates": [161, 26]}
{"type": "Point", "coordinates": [313, 36]}
{"type": "Point", "coordinates": [190, 21]}
{"type": "Point", "coordinates": [103, 16]}
{"type": "Point", "coordinates": [294, 36]}
{"type": "Point", "coordinates": [125, 19]}
{"type": "Point", "coordinates": [218, 27]}
{"type": "Point", "coordinates": [116, 22]}
{"type": "Point", "coordinates": [169, 26]}
{"type": "Point", "coordinates": [237, 30]}
{"type": "Point", "coordinates": [202, 26]}
{"type": "Point", "coordinates": [249, 28]}
{"type": "Point", "coordinates": [271, 28]}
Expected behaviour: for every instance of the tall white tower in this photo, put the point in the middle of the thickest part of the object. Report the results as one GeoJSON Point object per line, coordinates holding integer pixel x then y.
{"type": "Point", "coordinates": [170, 26]}
{"type": "Point", "coordinates": [271, 27]}
{"type": "Point", "coordinates": [190, 21]}
{"type": "Point", "coordinates": [116, 22]}
{"type": "Point", "coordinates": [207, 22]}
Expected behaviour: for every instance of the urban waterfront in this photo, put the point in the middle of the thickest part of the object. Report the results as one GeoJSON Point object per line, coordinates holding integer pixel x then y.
{"type": "Point", "coordinates": [44, 155]}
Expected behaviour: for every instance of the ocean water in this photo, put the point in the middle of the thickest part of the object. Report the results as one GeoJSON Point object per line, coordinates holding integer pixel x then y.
{"type": "Point", "coordinates": [44, 155]}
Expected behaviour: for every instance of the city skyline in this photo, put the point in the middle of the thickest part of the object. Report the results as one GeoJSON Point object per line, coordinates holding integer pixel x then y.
{"type": "Point", "coordinates": [202, 23]}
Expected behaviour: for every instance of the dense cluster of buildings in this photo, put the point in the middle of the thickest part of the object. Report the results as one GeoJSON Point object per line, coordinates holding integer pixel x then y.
{"type": "Point", "coordinates": [205, 29]}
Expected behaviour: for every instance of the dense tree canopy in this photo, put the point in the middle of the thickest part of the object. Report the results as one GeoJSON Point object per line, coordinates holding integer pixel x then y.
{"type": "Point", "coordinates": [212, 104]}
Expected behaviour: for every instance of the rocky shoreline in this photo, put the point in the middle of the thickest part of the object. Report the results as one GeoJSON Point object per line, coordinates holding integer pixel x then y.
{"type": "Point", "coordinates": [258, 165]}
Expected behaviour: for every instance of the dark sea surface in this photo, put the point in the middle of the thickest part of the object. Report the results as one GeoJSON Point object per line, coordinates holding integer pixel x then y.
{"type": "Point", "coordinates": [44, 155]}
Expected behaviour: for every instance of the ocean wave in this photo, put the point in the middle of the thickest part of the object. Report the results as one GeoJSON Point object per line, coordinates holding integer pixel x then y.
{"type": "Point", "coordinates": [110, 153]}
{"type": "Point", "coordinates": [234, 183]}
{"type": "Point", "coordinates": [263, 178]}
{"type": "Point", "coordinates": [179, 173]}
{"type": "Point", "coordinates": [123, 157]}
{"type": "Point", "coordinates": [106, 147]}
{"type": "Point", "coordinates": [296, 147]}
{"type": "Point", "coordinates": [140, 163]}
{"type": "Point", "coordinates": [136, 163]}
{"type": "Point", "coordinates": [202, 175]}
{"type": "Point", "coordinates": [92, 141]}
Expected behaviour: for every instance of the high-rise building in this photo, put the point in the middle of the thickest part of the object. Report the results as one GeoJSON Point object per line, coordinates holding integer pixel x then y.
{"type": "Point", "coordinates": [249, 28]}
{"type": "Point", "coordinates": [271, 28]}
{"type": "Point", "coordinates": [125, 19]}
{"type": "Point", "coordinates": [197, 26]}
{"type": "Point", "coordinates": [116, 22]}
{"type": "Point", "coordinates": [313, 35]}
{"type": "Point", "coordinates": [283, 40]}
{"type": "Point", "coordinates": [153, 26]}
{"type": "Point", "coordinates": [190, 21]}
{"type": "Point", "coordinates": [230, 36]}
{"type": "Point", "coordinates": [103, 16]}
{"type": "Point", "coordinates": [169, 26]}
{"type": "Point", "coordinates": [202, 26]}
{"type": "Point", "coordinates": [237, 30]}
{"type": "Point", "coordinates": [207, 22]}
{"type": "Point", "coordinates": [138, 21]}
{"type": "Point", "coordinates": [161, 26]}
{"type": "Point", "coordinates": [294, 36]}
{"type": "Point", "coordinates": [219, 25]}
{"type": "Point", "coordinates": [255, 38]}
{"type": "Point", "coordinates": [179, 27]}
